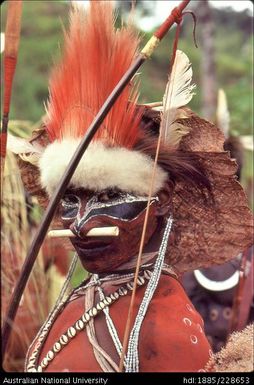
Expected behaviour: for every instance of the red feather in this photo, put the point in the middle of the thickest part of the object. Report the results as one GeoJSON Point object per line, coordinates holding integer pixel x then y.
{"type": "Point", "coordinates": [96, 55]}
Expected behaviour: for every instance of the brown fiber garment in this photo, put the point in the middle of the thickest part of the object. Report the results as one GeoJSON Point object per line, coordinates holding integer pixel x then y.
{"type": "Point", "coordinates": [204, 233]}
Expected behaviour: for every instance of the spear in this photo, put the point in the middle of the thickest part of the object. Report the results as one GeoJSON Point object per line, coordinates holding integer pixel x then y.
{"type": "Point", "coordinates": [12, 34]}
{"type": "Point", "coordinates": [174, 17]}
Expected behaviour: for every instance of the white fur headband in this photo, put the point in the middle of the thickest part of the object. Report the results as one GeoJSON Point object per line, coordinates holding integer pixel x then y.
{"type": "Point", "coordinates": [100, 168]}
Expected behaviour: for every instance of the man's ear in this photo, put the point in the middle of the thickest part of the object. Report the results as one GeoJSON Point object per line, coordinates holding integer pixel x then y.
{"type": "Point", "coordinates": [165, 199]}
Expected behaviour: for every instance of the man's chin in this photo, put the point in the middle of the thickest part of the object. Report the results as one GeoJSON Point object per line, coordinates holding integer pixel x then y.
{"type": "Point", "coordinates": [93, 260]}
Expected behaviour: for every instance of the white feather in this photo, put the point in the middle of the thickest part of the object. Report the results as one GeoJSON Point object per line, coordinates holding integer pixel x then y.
{"type": "Point", "coordinates": [179, 92]}
{"type": "Point", "coordinates": [21, 146]}
{"type": "Point", "coordinates": [27, 151]}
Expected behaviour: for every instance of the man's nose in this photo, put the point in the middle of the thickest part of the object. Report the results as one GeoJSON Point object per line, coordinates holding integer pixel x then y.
{"type": "Point", "coordinates": [78, 226]}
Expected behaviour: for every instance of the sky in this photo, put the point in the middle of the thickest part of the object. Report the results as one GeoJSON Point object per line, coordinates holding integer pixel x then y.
{"type": "Point", "coordinates": [165, 6]}
{"type": "Point", "coordinates": [237, 5]}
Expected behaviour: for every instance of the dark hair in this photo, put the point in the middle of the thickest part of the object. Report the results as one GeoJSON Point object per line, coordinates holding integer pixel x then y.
{"type": "Point", "coordinates": [180, 166]}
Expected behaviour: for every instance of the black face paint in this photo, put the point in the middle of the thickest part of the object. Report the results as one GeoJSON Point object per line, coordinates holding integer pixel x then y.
{"type": "Point", "coordinates": [124, 211]}
{"type": "Point", "coordinates": [70, 205]}
{"type": "Point", "coordinates": [124, 207]}
{"type": "Point", "coordinates": [113, 204]}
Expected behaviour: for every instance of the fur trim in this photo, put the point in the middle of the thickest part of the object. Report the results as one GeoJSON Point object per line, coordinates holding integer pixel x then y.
{"type": "Point", "coordinates": [101, 167]}
{"type": "Point", "coordinates": [237, 355]}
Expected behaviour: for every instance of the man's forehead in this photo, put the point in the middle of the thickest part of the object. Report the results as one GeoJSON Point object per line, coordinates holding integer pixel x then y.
{"type": "Point", "coordinates": [83, 192]}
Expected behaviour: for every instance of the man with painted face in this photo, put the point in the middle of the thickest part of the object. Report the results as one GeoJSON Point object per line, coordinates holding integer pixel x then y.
{"type": "Point", "coordinates": [191, 194]}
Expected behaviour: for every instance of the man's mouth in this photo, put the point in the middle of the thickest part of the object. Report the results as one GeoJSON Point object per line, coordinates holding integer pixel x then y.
{"type": "Point", "coordinates": [91, 246]}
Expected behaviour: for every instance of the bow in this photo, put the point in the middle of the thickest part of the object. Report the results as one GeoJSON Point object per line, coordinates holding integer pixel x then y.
{"type": "Point", "coordinates": [146, 52]}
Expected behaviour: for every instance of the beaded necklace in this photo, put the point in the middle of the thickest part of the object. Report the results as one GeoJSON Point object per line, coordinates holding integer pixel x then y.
{"type": "Point", "coordinates": [32, 364]}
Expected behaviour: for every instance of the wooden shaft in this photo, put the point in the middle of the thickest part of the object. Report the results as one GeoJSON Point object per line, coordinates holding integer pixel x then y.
{"type": "Point", "coordinates": [12, 34]}
{"type": "Point", "coordinates": [174, 17]}
{"type": "Point", "coordinates": [154, 104]}
{"type": "Point", "coordinates": [238, 295]}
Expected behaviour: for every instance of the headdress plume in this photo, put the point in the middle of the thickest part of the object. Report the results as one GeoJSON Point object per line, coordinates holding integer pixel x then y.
{"type": "Point", "coordinates": [96, 55]}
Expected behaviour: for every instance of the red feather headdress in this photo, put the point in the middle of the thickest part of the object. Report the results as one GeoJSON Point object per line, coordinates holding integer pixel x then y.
{"type": "Point", "coordinates": [96, 56]}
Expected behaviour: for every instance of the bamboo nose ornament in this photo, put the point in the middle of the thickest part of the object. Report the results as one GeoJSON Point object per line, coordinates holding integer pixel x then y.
{"type": "Point", "coordinates": [95, 232]}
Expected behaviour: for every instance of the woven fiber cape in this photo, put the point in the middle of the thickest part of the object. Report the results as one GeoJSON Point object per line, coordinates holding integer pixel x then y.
{"type": "Point", "coordinates": [204, 233]}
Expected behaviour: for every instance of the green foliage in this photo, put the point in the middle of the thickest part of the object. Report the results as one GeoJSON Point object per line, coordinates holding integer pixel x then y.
{"type": "Point", "coordinates": [79, 275]}
{"type": "Point", "coordinates": [233, 59]}
{"type": "Point", "coordinates": [41, 38]}
{"type": "Point", "coordinates": [41, 32]}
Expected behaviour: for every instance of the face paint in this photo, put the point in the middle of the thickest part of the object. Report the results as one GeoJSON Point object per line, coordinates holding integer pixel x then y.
{"type": "Point", "coordinates": [82, 211]}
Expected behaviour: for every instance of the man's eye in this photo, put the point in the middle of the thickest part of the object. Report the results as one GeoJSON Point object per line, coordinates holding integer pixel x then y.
{"type": "Point", "coordinates": [106, 196]}
{"type": "Point", "coordinates": [69, 200]}
{"type": "Point", "coordinates": [69, 206]}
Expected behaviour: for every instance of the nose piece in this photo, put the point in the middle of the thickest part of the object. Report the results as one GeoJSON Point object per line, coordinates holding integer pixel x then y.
{"type": "Point", "coordinates": [76, 229]}
{"type": "Point", "coordinates": [80, 228]}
